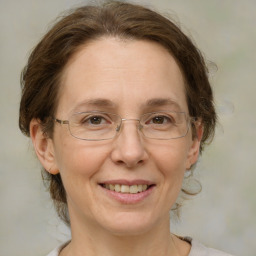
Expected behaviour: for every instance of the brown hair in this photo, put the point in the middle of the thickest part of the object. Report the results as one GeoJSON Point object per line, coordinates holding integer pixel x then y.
{"type": "Point", "coordinates": [40, 78]}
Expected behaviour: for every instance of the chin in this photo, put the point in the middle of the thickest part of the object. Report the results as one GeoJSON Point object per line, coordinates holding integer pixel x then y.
{"type": "Point", "coordinates": [129, 224]}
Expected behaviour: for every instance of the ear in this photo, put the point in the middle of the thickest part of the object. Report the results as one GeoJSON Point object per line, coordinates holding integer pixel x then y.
{"type": "Point", "coordinates": [43, 146]}
{"type": "Point", "coordinates": [194, 149]}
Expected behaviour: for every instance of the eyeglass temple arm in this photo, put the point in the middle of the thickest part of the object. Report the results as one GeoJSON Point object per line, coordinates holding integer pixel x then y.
{"type": "Point", "coordinates": [61, 121]}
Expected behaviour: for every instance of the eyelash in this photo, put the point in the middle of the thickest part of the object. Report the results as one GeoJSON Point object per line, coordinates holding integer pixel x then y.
{"type": "Point", "coordinates": [164, 119]}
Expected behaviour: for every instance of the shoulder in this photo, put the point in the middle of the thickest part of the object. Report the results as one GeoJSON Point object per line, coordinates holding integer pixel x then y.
{"type": "Point", "coordinates": [198, 249]}
{"type": "Point", "coordinates": [57, 250]}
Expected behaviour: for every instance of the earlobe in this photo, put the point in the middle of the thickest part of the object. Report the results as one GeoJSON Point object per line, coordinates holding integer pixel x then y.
{"type": "Point", "coordinates": [43, 146]}
{"type": "Point", "coordinates": [195, 146]}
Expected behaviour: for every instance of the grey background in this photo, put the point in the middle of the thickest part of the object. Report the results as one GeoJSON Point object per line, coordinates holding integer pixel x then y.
{"type": "Point", "coordinates": [223, 215]}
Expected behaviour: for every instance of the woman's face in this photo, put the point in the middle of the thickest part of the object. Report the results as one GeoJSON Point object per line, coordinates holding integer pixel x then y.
{"type": "Point", "coordinates": [128, 78]}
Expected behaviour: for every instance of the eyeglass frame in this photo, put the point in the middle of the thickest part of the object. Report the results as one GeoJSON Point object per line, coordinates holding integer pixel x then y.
{"type": "Point", "coordinates": [189, 120]}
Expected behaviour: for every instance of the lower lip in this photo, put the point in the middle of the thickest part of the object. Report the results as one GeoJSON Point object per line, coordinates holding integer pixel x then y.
{"type": "Point", "coordinates": [127, 198]}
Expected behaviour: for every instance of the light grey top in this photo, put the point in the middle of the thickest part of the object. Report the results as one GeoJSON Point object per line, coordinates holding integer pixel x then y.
{"type": "Point", "coordinates": [197, 249]}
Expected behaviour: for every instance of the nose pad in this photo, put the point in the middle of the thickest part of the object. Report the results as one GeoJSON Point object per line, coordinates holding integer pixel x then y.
{"type": "Point", "coordinates": [140, 126]}
{"type": "Point", "coordinates": [118, 128]}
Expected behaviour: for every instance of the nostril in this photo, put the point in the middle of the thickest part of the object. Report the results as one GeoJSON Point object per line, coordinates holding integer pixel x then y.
{"type": "Point", "coordinates": [120, 162]}
{"type": "Point", "coordinates": [129, 164]}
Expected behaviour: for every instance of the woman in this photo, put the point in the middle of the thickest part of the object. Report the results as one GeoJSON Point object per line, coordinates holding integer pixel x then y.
{"type": "Point", "coordinates": [118, 105]}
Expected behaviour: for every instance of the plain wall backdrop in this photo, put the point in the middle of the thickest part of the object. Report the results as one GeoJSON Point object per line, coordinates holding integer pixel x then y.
{"type": "Point", "coordinates": [223, 214]}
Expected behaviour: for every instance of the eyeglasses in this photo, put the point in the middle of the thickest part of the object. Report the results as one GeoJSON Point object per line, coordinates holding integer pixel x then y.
{"type": "Point", "coordinates": [95, 125]}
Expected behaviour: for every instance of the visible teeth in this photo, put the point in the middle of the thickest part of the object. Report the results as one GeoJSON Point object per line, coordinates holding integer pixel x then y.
{"type": "Point", "coordinates": [111, 187]}
{"type": "Point", "coordinates": [125, 189]}
{"type": "Point", "coordinates": [139, 188]}
{"type": "Point", "coordinates": [117, 188]}
{"type": "Point", "coordinates": [134, 189]}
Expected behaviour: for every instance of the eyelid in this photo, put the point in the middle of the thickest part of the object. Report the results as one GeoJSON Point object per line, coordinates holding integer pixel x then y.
{"type": "Point", "coordinates": [89, 115]}
{"type": "Point", "coordinates": [147, 114]}
{"type": "Point", "coordinates": [109, 117]}
{"type": "Point", "coordinates": [162, 115]}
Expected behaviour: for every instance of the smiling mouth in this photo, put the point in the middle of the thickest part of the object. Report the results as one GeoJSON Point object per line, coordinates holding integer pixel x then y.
{"type": "Point", "coordinates": [126, 189]}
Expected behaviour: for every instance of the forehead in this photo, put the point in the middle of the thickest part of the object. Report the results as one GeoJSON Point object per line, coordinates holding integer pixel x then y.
{"type": "Point", "coordinates": [125, 73]}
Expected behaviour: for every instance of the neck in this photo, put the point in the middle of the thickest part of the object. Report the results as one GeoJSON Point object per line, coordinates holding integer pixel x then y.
{"type": "Point", "coordinates": [91, 241]}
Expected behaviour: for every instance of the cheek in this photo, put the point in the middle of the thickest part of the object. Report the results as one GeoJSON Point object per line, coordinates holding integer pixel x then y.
{"type": "Point", "coordinates": [172, 168]}
{"type": "Point", "coordinates": [171, 159]}
{"type": "Point", "coordinates": [79, 164]}
{"type": "Point", "coordinates": [79, 158]}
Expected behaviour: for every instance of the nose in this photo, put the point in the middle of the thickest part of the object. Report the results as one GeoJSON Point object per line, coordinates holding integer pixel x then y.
{"type": "Point", "coordinates": [128, 147]}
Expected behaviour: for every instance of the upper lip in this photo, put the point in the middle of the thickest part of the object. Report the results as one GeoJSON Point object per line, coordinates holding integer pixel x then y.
{"type": "Point", "coordinates": [128, 182]}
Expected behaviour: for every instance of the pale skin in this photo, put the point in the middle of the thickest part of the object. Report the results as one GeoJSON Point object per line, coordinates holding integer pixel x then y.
{"type": "Point", "coordinates": [120, 77]}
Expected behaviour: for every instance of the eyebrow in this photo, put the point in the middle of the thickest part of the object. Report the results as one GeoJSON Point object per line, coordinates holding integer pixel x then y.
{"type": "Point", "coordinates": [98, 102]}
{"type": "Point", "coordinates": [158, 102]}
{"type": "Point", "coordinates": [105, 103]}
